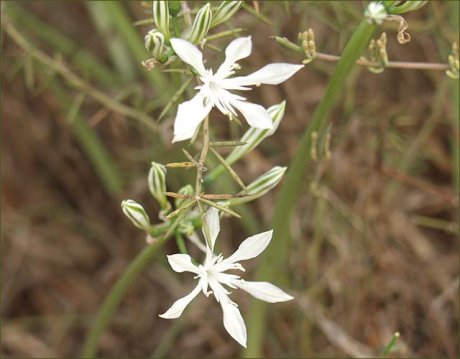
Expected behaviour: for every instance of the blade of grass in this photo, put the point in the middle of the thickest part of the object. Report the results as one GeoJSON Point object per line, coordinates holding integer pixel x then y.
{"type": "Point", "coordinates": [118, 290]}
{"type": "Point", "coordinates": [117, 48]}
{"type": "Point", "coordinates": [80, 57]}
{"type": "Point", "coordinates": [275, 257]}
{"type": "Point", "coordinates": [102, 162]}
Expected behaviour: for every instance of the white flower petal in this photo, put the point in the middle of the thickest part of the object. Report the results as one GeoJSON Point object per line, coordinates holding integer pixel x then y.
{"type": "Point", "coordinates": [189, 116]}
{"type": "Point", "coordinates": [272, 74]}
{"type": "Point", "coordinates": [182, 263]}
{"type": "Point", "coordinates": [255, 115]}
{"type": "Point", "coordinates": [179, 305]}
{"type": "Point", "coordinates": [251, 247]}
{"type": "Point", "coordinates": [212, 219]}
{"type": "Point", "coordinates": [233, 322]}
{"type": "Point", "coordinates": [264, 291]}
{"type": "Point", "coordinates": [238, 49]}
{"type": "Point", "coordinates": [189, 54]}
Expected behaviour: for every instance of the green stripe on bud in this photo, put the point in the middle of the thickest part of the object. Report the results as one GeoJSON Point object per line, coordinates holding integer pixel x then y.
{"type": "Point", "coordinates": [225, 11]}
{"type": "Point", "coordinates": [201, 24]}
{"type": "Point", "coordinates": [136, 213]}
{"type": "Point", "coordinates": [260, 186]}
{"type": "Point", "coordinates": [154, 42]}
{"type": "Point", "coordinates": [254, 136]}
{"type": "Point", "coordinates": [157, 184]}
{"type": "Point", "coordinates": [188, 191]}
{"type": "Point", "coordinates": [161, 17]}
{"type": "Point", "coordinates": [401, 7]}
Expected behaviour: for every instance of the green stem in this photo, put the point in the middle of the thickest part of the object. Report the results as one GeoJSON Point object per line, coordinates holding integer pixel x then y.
{"type": "Point", "coordinates": [276, 255]}
{"type": "Point", "coordinates": [119, 289]}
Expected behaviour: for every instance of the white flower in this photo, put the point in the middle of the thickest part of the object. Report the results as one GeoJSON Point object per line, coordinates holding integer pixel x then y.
{"type": "Point", "coordinates": [375, 13]}
{"type": "Point", "coordinates": [215, 88]}
{"type": "Point", "coordinates": [211, 274]}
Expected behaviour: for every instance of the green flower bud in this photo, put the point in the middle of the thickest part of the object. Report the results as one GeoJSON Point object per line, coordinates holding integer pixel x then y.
{"type": "Point", "coordinates": [154, 43]}
{"type": "Point", "coordinates": [254, 136]}
{"type": "Point", "coordinates": [260, 186]}
{"type": "Point", "coordinates": [157, 184]}
{"type": "Point", "coordinates": [136, 213]}
{"type": "Point", "coordinates": [174, 7]}
{"type": "Point", "coordinates": [225, 11]}
{"type": "Point", "coordinates": [161, 17]}
{"type": "Point", "coordinates": [201, 24]}
{"type": "Point", "coordinates": [187, 190]}
{"type": "Point", "coordinates": [401, 7]}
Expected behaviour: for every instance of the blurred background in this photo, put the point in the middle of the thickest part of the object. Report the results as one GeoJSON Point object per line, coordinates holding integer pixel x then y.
{"type": "Point", "coordinates": [375, 247]}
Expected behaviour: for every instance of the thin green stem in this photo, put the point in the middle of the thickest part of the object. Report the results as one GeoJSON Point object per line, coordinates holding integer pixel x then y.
{"type": "Point", "coordinates": [276, 255]}
{"type": "Point", "coordinates": [118, 290]}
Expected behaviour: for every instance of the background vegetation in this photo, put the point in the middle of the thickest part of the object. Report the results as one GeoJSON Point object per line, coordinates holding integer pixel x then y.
{"type": "Point", "coordinates": [375, 246]}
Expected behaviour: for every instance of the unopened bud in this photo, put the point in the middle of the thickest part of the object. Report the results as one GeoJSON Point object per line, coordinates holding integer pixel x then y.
{"type": "Point", "coordinates": [136, 213]}
{"type": "Point", "coordinates": [201, 24]}
{"type": "Point", "coordinates": [174, 7]}
{"type": "Point", "coordinates": [254, 136]}
{"type": "Point", "coordinates": [260, 186]}
{"type": "Point", "coordinates": [161, 17]}
{"type": "Point", "coordinates": [401, 7]}
{"type": "Point", "coordinates": [157, 184]}
{"type": "Point", "coordinates": [225, 11]}
{"type": "Point", "coordinates": [154, 43]}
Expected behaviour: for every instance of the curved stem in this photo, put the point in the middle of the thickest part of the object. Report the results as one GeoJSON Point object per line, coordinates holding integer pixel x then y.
{"type": "Point", "coordinates": [119, 289]}
{"type": "Point", "coordinates": [275, 257]}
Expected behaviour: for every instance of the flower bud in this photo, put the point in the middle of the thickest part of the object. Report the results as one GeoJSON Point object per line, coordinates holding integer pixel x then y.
{"type": "Point", "coordinates": [401, 7]}
{"type": "Point", "coordinates": [201, 24]}
{"type": "Point", "coordinates": [161, 17]}
{"type": "Point", "coordinates": [136, 213]}
{"type": "Point", "coordinates": [375, 13]}
{"type": "Point", "coordinates": [187, 190]}
{"type": "Point", "coordinates": [154, 43]}
{"type": "Point", "coordinates": [260, 186]}
{"type": "Point", "coordinates": [254, 136]}
{"type": "Point", "coordinates": [157, 184]}
{"type": "Point", "coordinates": [225, 11]}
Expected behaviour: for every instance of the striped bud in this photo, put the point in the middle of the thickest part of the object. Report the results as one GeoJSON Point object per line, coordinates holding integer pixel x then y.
{"type": "Point", "coordinates": [201, 24]}
{"type": "Point", "coordinates": [157, 184]}
{"type": "Point", "coordinates": [188, 191]}
{"type": "Point", "coordinates": [136, 213]}
{"type": "Point", "coordinates": [260, 186]}
{"type": "Point", "coordinates": [225, 11]}
{"type": "Point", "coordinates": [401, 7]}
{"type": "Point", "coordinates": [254, 136]}
{"type": "Point", "coordinates": [154, 43]}
{"type": "Point", "coordinates": [161, 17]}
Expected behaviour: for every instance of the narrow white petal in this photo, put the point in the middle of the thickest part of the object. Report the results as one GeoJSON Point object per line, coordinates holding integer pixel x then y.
{"type": "Point", "coordinates": [179, 305]}
{"type": "Point", "coordinates": [256, 115]}
{"type": "Point", "coordinates": [212, 219]}
{"type": "Point", "coordinates": [182, 263]}
{"type": "Point", "coordinates": [272, 74]}
{"type": "Point", "coordinates": [238, 49]}
{"type": "Point", "coordinates": [189, 116]}
{"type": "Point", "coordinates": [189, 54]}
{"type": "Point", "coordinates": [233, 322]}
{"type": "Point", "coordinates": [264, 291]}
{"type": "Point", "coordinates": [251, 247]}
